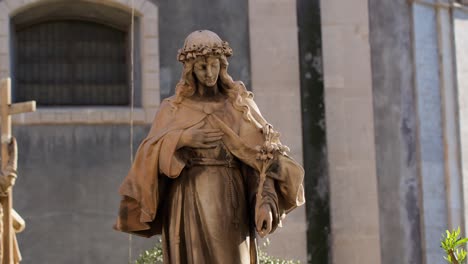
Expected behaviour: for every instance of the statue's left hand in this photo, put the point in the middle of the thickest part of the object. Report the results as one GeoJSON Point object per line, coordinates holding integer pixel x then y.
{"type": "Point", "coordinates": [264, 220]}
{"type": "Point", "coordinates": [13, 153]}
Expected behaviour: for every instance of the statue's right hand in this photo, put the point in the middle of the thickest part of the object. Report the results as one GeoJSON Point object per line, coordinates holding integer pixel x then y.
{"type": "Point", "coordinates": [198, 137]}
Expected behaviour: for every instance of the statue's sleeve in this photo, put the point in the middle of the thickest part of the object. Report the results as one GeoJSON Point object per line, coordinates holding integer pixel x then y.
{"type": "Point", "coordinates": [142, 187]}
{"type": "Point", "coordinates": [270, 197]}
{"type": "Point", "coordinates": [287, 174]}
{"type": "Point", "coordinates": [169, 162]}
{"type": "Point", "coordinates": [283, 188]}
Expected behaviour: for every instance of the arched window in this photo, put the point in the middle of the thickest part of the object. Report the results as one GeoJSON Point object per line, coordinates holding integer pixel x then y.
{"type": "Point", "coordinates": [65, 54]}
{"type": "Point", "coordinates": [71, 62]}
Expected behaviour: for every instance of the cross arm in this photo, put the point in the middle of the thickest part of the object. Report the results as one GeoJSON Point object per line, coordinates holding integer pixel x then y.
{"type": "Point", "coordinates": [23, 107]}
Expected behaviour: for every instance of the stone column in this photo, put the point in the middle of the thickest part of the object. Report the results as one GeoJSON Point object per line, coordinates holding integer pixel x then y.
{"type": "Point", "coordinates": [275, 82]}
{"type": "Point", "coordinates": [350, 132]}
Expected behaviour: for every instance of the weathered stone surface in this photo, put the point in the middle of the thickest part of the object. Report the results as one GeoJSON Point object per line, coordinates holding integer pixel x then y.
{"type": "Point", "coordinates": [350, 133]}
{"type": "Point", "coordinates": [395, 131]}
{"type": "Point", "coordinates": [461, 41]}
{"type": "Point", "coordinates": [275, 82]}
{"type": "Point", "coordinates": [66, 191]}
{"type": "Point", "coordinates": [178, 18]}
{"type": "Point", "coordinates": [430, 136]}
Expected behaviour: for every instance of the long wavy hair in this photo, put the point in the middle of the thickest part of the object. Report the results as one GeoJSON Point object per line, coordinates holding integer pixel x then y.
{"type": "Point", "coordinates": [234, 90]}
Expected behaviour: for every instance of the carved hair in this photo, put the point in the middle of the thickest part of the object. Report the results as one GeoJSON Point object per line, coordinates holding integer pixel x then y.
{"type": "Point", "coordinates": [235, 90]}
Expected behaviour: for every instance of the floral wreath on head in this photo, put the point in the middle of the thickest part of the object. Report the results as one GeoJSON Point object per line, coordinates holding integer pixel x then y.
{"type": "Point", "coordinates": [194, 51]}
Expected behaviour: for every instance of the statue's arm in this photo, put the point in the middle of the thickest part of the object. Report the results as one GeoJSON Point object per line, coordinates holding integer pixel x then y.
{"type": "Point", "coordinates": [270, 199]}
{"type": "Point", "coordinates": [267, 218]}
{"type": "Point", "coordinates": [284, 170]}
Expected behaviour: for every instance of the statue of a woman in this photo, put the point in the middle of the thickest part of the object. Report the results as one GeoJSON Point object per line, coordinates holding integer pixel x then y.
{"type": "Point", "coordinates": [211, 171]}
{"type": "Point", "coordinates": [7, 181]}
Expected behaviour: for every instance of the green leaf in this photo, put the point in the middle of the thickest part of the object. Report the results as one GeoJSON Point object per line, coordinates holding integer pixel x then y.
{"type": "Point", "coordinates": [453, 243]}
{"type": "Point", "coordinates": [462, 255]}
{"type": "Point", "coordinates": [443, 244]}
{"type": "Point", "coordinates": [461, 242]}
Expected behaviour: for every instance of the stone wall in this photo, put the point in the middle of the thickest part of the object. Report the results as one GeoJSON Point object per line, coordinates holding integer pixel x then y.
{"type": "Point", "coordinates": [66, 191]}
{"type": "Point", "coordinates": [178, 18]}
{"type": "Point", "coordinates": [72, 161]}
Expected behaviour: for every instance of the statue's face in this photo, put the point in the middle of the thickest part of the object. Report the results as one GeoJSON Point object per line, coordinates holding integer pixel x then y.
{"type": "Point", "coordinates": [206, 70]}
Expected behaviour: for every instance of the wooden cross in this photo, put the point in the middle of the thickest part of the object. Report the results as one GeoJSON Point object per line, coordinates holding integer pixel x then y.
{"type": "Point", "coordinates": [6, 111]}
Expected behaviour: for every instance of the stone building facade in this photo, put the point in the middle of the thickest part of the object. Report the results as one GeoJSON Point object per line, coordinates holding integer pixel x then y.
{"type": "Point", "coordinates": [395, 101]}
{"type": "Point", "coordinates": [73, 157]}
{"type": "Point", "coordinates": [368, 94]}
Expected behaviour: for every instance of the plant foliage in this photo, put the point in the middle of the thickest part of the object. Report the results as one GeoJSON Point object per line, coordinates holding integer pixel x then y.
{"type": "Point", "coordinates": [264, 258]}
{"type": "Point", "coordinates": [152, 256]}
{"type": "Point", "coordinates": [453, 244]}
{"type": "Point", "coordinates": [155, 256]}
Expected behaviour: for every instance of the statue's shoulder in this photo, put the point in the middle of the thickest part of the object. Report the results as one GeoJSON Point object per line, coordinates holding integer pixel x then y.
{"type": "Point", "coordinates": [167, 102]}
{"type": "Point", "coordinates": [170, 107]}
{"type": "Point", "coordinates": [164, 113]}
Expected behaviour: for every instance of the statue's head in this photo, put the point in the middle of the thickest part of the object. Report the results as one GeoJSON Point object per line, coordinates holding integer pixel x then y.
{"type": "Point", "coordinates": [204, 56]}
{"type": "Point", "coordinates": [203, 53]}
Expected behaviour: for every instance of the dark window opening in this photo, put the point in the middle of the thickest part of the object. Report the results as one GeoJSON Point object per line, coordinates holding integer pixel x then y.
{"type": "Point", "coordinates": [72, 63]}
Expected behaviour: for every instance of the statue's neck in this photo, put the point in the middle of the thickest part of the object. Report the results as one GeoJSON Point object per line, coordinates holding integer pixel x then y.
{"type": "Point", "coordinates": [207, 92]}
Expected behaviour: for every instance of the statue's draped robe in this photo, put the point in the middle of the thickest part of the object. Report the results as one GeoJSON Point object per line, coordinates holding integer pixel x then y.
{"type": "Point", "coordinates": [202, 200]}
{"type": "Point", "coordinates": [6, 177]}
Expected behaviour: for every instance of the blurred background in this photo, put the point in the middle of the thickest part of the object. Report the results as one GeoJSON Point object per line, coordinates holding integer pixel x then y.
{"type": "Point", "coordinates": [370, 96]}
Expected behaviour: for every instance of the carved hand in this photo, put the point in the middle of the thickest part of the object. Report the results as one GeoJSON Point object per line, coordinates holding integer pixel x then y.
{"type": "Point", "coordinates": [264, 220]}
{"type": "Point", "coordinates": [13, 153]}
{"type": "Point", "coordinates": [5, 184]}
{"type": "Point", "coordinates": [198, 137]}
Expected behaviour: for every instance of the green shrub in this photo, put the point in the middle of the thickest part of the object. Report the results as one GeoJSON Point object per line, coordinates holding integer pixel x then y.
{"type": "Point", "coordinates": [453, 244]}
{"type": "Point", "coordinates": [264, 258]}
{"type": "Point", "coordinates": [152, 256]}
{"type": "Point", "coordinates": [155, 256]}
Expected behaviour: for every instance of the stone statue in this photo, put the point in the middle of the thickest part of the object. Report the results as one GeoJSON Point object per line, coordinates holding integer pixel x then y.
{"type": "Point", "coordinates": [7, 180]}
{"type": "Point", "coordinates": [11, 222]}
{"type": "Point", "coordinates": [8, 176]}
{"type": "Point", "coordinates": [211, 171]}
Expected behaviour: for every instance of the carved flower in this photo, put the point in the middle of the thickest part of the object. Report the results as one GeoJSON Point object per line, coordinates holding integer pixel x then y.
{"type": "Point", "coordinates": [191, 52]}
{"type": "Point", "coordinates": [269, 150]}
